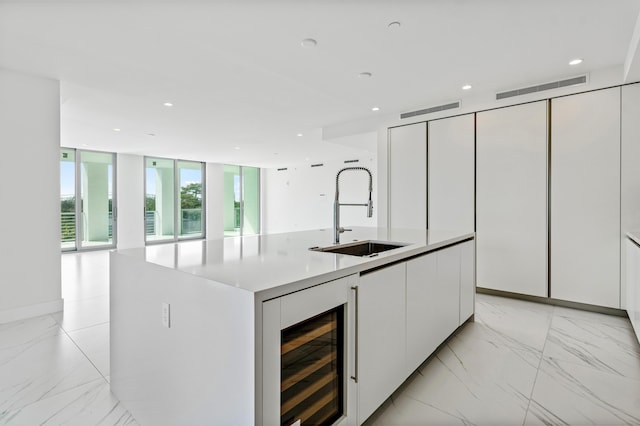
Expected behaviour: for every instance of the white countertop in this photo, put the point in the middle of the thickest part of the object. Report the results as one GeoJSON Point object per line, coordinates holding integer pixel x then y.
{"type": "Point", "coordinates": [275, 264]}
{"type": "Point", "coordinates": [634, 236]}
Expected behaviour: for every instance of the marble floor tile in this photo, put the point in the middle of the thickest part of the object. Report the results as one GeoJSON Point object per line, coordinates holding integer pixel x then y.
{"type": "Point", "coordinates": [475, 379]}
{"type": "Point", "coordinates": [568, 393]}
{"type": "Point", "coordinates": [604, 344]}
{"type": "Point", "coordinates": [521, 324]}
{"type": "Point", "coordinates": [88, 404]}
{"type": "Point", "coordinates": [35, 370]}
{"type": "Point", "coordinates": [406, 411]}
{"type": "Point", "coordinates": [85, 275]}
{"type": "Point", "coordinates": [78, 314]}
{"type": "Point", "coordinates": [18, 336]}
{"type": "Point", "coordinates": [94, 343]}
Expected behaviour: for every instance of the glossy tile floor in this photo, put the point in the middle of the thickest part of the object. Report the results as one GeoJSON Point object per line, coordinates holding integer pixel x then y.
{"type": "Point", "coordinates": [54, 369]}
{"type": "Point", "coordinates": [519, 363]}
{"type": "Point", "coordinates": [524, 363]}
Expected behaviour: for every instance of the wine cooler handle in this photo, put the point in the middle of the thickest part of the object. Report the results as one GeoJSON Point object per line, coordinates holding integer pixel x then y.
{"type": "Point", "coordinates": [355, 376]}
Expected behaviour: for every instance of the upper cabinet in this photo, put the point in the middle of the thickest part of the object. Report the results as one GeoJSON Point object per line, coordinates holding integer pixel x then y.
{"type": "Point", "coordinates": [511, 209]}
{"type": "Point", "coordinates": [585, 198]}
{"type": "Point", "coordinates": [408, 176]}
{"type": "Point", "coordinates": [451, 173]}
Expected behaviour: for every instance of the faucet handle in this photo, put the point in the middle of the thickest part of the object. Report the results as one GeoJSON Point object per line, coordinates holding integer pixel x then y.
{"type": "Point", "coordinates": [341, 229]}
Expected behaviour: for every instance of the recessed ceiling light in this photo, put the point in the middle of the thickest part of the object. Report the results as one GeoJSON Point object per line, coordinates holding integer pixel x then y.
{"type": "Point", "coordinates": [168, 104]}
{"type": "Point", "coordinates": [466, 87]}
{"type": "Point", "coordinates": [308, 42]}
{"type": "Point", "coordinates": [300, 135]}
{"type": "Point", "coordinates": [236, 148]}
{"type": "Point", "coordinates": [116, 130]}
{"type": "Point", "coordinates": [375, 109]}
{"type": "Point", "coordinates": [575, 61]}
{"type": "Point", "coordinates": [394, 25]}
{"type": "Point", "coordinates": [365, 74]}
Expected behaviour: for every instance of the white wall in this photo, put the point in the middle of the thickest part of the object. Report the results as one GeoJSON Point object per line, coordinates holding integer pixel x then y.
{"type": "Point", "coordinates": [301, 197]}
{"type": "Point", "coordinates": [30, 217]}
{"type": "Point", "coordinates": [130, 187]}
{"type": "Point", "coordinates": [215, 194]}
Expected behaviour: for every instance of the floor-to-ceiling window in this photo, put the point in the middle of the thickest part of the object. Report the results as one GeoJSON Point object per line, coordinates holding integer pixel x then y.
{"type": "Point", "coordinates": [241, 200]}
{"type": "Point", "coordinates": [174, 204]}
{"type": "Point", "coordinates": [87, 199]}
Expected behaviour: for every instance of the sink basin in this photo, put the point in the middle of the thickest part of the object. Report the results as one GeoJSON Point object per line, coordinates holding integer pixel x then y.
{"type": "Point", "coordinates": [361, 248]}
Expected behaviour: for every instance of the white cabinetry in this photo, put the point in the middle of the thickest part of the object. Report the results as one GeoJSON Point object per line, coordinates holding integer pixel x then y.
{"type": "Point", "coordinates": [467, 280]}
{"type": "Point", "coordinates": [633, 284]}
{"type": "Point", "coordinates": [381, 336]}
{"type": "Point", "coordinates": [408, 176]}
{"type": "Point", "coordinates": [585, 198]}
{"type": "Point", "coordinates": [630, 172]}
{"type": "Point", "coordinates": [511, 209]}
{"type": "Point", "coordinates": [433, 298]}
{"type": "Point", "coordinates": [451, 173]}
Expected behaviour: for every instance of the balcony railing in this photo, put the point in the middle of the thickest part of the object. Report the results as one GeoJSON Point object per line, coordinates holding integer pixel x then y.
{"type": "Point", "coordinates": [190, 221]}
{"type": "Point", "coordinates": [68, 226]}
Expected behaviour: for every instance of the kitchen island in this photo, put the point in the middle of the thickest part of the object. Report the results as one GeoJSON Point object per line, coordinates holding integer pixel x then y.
{"type": "Point", "coordinates": [192, 323]}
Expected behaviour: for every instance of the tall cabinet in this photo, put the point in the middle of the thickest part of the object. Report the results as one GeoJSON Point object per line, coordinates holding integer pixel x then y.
{"type": "Point", "coordinates": [511, 209]}
{"type": "Point", "coordinates": [585, 198]}
{"type": "Point", "coordinates": [630, 177]}
{"type": "Point", "coordinates": [451, 173]}
{"type": "Point", "coordinates": [408, 176]}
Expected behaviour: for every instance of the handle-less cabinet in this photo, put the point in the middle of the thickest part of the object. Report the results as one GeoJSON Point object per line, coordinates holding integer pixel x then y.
{"type": "Point", "coordinates": [511, 204]}
{"type": "Point", "coordinates": [408, 176]}
{"type": "Point", "coordinates": [433, 299]}
{"type": "Point", "coordinates": [451, 169]}
{"type": "Point", "coordinates": [585, 198]}
{"type": "Point", "coordinates": [381, 337]}
{"type": "Point", "coordinates": [630, 174]}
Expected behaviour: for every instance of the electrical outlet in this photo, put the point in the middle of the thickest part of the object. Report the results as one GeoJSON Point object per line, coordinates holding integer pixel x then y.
{"type": "Point", "coordinates": [166, 315]}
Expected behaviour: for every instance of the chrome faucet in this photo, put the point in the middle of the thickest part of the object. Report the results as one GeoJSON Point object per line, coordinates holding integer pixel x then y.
{"type": "Point", "coordinates": [337, 229]}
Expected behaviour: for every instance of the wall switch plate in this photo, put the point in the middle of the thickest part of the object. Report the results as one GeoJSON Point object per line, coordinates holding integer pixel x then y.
{"type": "Point", "coordinates": [166, 315]}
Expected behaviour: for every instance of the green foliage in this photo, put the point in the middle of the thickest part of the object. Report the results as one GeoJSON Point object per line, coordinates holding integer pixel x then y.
{"type": "Point", "coordinates": [150, 203]}
{"type": "Point", "coordinates": [191, 196]}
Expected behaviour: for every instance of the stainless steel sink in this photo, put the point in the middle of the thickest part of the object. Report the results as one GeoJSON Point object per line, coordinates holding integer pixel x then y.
{"type": "Point", "coordinates": [361, 248]}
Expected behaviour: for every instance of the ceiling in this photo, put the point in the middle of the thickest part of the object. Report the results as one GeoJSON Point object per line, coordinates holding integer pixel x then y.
{"type": "Point", "coordinates": [243, 87]}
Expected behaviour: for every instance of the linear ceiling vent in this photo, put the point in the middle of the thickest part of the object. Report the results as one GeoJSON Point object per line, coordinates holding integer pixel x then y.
{"type": "Point", "coordinates": [282, 169]}
{"type": "Point", "coordinates": [573, 81]}
{"type": "Point", "coordinates": [317, 165]}
{"type": "Point", "coordinates": [350, 161]}
{"type": "Point", "coordinates": [444, 107]}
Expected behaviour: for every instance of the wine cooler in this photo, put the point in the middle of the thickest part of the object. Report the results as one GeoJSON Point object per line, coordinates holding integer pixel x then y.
{"type": "Point", "coordinates": [307, 357]}
{"type": "Point", "coordinates": [312, 370]}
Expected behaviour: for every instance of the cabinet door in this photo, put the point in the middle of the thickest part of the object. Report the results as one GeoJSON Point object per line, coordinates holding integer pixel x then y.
{"type": "Point", "coordinates": [511, 209]}
{"type": "Point", "coordinates": [451, 173]}
{"type": "Point", "coordinates": [433, 298]}
{"type": "Point", "coordinates": [381, 337]}
{"type": "Point", "coordinates": [467, 280]}
{"type": "Point", "coordinates": [408, 176]}
{"type": "Point", "coordinates": [585, 198]}
{"type": "Point", "coordinates": [630, 173]}
{"type": "Point", "coordinates": [633, 284]}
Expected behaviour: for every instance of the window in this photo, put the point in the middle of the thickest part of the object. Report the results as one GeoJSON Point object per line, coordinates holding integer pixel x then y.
{"type": "Point", "coordinates": [241, 200]}
{"type": "Point", "coordinates": [174, 205]}
{"type": "Point", "coordinates": [90, 222]}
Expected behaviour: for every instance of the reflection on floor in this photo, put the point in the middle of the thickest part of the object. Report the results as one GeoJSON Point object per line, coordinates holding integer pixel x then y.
{"type": "Point", "coordinates": [519, 363]}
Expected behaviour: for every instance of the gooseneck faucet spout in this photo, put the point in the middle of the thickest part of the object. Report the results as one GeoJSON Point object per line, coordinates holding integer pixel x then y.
{"type": "Point", "coordinates": [337, 229]}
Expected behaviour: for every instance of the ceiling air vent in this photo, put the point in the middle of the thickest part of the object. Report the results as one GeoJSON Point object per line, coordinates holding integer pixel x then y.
{"type": "Point", "coordinates": [573, 81]}
{"type": "Point", "coordinates": [444, 107]}
{"type": "Point", "coordinates": [282, 169]}
{"type": "Point", "coordinates": [317, 165]}
{"type": "Point", "coordinates": [350, 161]}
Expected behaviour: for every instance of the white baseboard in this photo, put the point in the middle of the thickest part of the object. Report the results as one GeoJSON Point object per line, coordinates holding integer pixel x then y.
{"type": "Point", "coordinates": [24, 312]}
